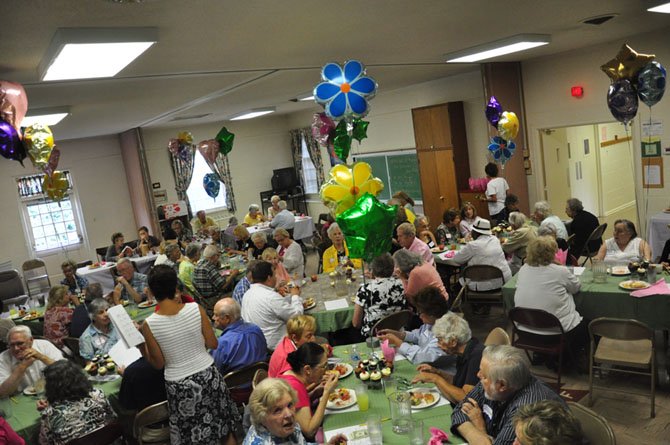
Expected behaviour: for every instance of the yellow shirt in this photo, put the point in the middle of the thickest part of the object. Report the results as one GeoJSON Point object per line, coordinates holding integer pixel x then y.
{"type": "Point", "coordinates": [249, 221]}
{"type": "Point", "coordinates": [198, 225]}
{"type": "Point", "coordinates": [331, 260]}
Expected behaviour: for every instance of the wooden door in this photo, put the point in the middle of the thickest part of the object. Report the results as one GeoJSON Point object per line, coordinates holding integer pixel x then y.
{"type": "Point", "coordinates": [438, 186]}
{"type": "Point", "coordinates": [555, 157]}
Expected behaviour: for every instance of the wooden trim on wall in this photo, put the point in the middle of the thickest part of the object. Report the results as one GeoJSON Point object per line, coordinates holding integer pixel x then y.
{"type": "Point", "coordinates": [616, 141]}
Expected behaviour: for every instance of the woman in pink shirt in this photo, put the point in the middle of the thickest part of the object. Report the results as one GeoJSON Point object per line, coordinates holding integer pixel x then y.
{"type": "Point", "coordinates": [417, 275]}
{"type": "Point", "coordinates": [299, 330]}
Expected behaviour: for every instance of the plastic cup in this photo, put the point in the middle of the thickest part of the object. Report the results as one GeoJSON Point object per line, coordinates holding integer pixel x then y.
{"type": "Point", "coordinates": [401, 412]}
{"type": "Point", "coordinates": [363, 398]}
{"type": "Point", "coordinates": [416, 432]}
{"type": "Point", "coordinates": [375, 429]}
{"type": "Point", "coordinates": [390, 385]}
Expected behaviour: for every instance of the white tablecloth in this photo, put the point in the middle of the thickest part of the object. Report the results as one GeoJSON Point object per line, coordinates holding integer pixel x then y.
{"type": "Point", "coordinates": [103, 274]}
{"type": "Point", "coordinates": [303, 228]}
{"type": "Point", "coordinates": [658, 233]}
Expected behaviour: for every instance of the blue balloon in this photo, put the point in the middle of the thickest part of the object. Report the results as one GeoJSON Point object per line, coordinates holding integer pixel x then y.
{"type": "Point", "coordinates": [211, 184]}
{"type": "Point", "coordinates": [622, 100]}
{"type": "Point", "coordinates": [345, 91]}
{"type": "Point", "coordinates": [651, 83]}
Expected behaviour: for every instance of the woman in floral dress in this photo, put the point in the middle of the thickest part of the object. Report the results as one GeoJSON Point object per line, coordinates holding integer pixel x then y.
{"type": "Point", "coordinates": [58, 315]}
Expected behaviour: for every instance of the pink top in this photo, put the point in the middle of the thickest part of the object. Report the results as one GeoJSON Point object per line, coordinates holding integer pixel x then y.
{"type": "Point", "coordinates": [278, 363]}
{"type": "Point", "coordinates": [422, 249]}
{"type": "Point", "coordinates": [423, 276]}
{"type": "Point", "coordinates": [281, 274]}
{"type": "Point", "coordinates": [561, 256]}
{"type": "Point", "coordinates": [57, 324]}
{"type": "Point", "coordinates": [299, 387]}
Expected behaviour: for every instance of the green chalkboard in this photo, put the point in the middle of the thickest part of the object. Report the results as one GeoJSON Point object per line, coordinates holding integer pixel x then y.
{"type": "Point", "coordinates": [398, 171]}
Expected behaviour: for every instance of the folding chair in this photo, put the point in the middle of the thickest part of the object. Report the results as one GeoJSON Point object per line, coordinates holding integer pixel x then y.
{"type": "Point", "coordinates": [595, 235]}
{"type": "Point", "coordinates": [106, 435]}
{"type": "Point", "coordinates": [36, 277]}
{"type": "Point", "coordinates": [595, 427]}
{"type": "Point", "coordinates": [157, 416]}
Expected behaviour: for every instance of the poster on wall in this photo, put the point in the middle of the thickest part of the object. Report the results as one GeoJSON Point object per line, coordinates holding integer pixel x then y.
{"type": "Point", "coordinates": [160, 196]}
{"type": "Point", "coordinates": [653, 128]}
{"type": "Point", "coordinates": [176, 209]}
{"type": "Point", "coordinates": [652, 173]}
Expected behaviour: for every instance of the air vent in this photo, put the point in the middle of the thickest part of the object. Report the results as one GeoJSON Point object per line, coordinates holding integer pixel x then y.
{"type": "Point", "coordinates": [599, 20]}
{"type": "Point", "coordinates": [188, 118]}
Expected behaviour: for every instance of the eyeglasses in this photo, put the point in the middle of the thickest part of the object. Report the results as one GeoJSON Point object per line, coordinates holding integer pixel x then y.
{"type": "Point", "coordinates": [18, 344]}
{"type": "Point", "coordinates": [321, 366]}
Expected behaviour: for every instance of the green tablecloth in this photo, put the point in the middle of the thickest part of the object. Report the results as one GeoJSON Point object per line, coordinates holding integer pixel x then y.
{"type": "Point", "coordinates": [609, 300]}
{"type": "Point", "coordinates": [439, 416]}
{"type": "Point", "coordinates": [322, 291]}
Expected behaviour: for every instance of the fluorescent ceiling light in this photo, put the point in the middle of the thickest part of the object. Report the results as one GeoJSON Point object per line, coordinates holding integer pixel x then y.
{"type": "Point", "coordinates": [45, 116]}
{"type": "Point", "coordinates": [490, 50]}
{"type": "Point", "coordinates": [253, 113]}
{"type": "Point", "coordinates": [85, 53]}
{"type": "Point", "coordinates": [664, 8]}
{"type": "Point", "coordinates": [305, 97]}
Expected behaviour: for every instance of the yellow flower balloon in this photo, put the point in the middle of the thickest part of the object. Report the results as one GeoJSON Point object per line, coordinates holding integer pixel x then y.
{"type": "Point", "coordinates": [39, 141]}
{"type": "Point", "coordinates": [508, 125]}
{"type": "Point", "coordinates": [347, 184]}
{"type": "Point", "coordinates": [55, 186]}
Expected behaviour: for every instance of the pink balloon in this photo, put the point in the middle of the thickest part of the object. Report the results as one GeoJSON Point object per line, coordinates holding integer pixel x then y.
{"type": "Point", "coordinates": [53, 162]}
{"type": "Point", "coordinates": [209, 149]}
{"type": "Point", "coordinates": [13, 103]}
{"type": "Point", "coordinates": [322, 127]}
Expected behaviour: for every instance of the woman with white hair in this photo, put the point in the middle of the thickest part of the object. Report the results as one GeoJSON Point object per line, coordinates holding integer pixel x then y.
{"type": "Point", "coordinates": [101, 334]}
{"type": "Point", "coordinates": [274, 206]}
{"type": "Point", "coordinates": [514, 246]}
{"type": "Point", "coordinates": [338, 253]}
{"type": "Point", "coordinates": [260, 243]}
{"type": "Point", "coordinates": [454, 337]}
{"type": "Point", "coordinates": [254, 217]}
{"type": "Point", "coordinates": [290, 254]}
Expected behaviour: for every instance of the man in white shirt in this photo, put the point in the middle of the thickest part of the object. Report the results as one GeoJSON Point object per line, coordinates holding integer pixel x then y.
{"type": "Point", "coordinates": [407, 239]}
{"type": "Point", "coordinates": [284, 219]}
{"type": "Point", "coordinates": [22, 363]}
{"type": "Point", "coordinates": [496, 192]}
{"type": "Point", "coordinates": [263, 306]}
{"type": "Point", "coordinates": [543, 215]}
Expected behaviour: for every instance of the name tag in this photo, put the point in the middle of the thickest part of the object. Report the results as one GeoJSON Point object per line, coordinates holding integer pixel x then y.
{"type": "Point", "coordinates": [488, 411]}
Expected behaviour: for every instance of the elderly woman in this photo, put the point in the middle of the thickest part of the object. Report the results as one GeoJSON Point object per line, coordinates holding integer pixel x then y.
{"type": "Point", "coordinates": [558, 285]}
{"type": "Point", "coordinates": [299, 330]}
{"type": "Point", "coordinates": [101, 334]}
{"type": "Point", "coordinates": [468, 219]}
{"type": "Point", "coordinates": [260, 243]}
{"type": "Point", "coordinates": [308, 366]}
{"type": "Point", "coordinates": [243, 240]}
{"type": "Point", "coordinates": [116, 250]}
{"type": "Point", "coordinates": [187, 265]}
{"type": "Point", "coordinates": [547, 422]}
{"type": "Point", "coordinates": [170, 256]}
{"type": "Point", "coordinates": [282, 276]}
{"type": "Point", "coordinates": [338, 253]}
{"type": "Point", "coordinates": [562, 251]}
{"type": "Point", "coordinates": [255, 216]}
{"type": "Point", "coordinates": [543, 215]}
{"type": "Point", "coordinates": [405, 200]}
{"type": "Point", "coordinates": [290, 254]}
{"type": "Point", "coordinates": [515, 245]}
{"type": "Point", "coordinates": [58, 316]}
{"type": "Point", "coordinates": [625, 246]}
{"type": "Point", "coordinates": [73, 408]}
{"type": "Point", "coordinates": [448, 232]}
{"type": "Point", "coordinates": [454, 337]}
{"type": "Point", "coordinates": [379, 297]}
{"type": "Point", "coordinates": [416, 275]}
{"type": "Point", "coordinates": [75, 283]}
{"type": "Point", "coordinates": [273, 416]}
{"type": "Point", "coordinates": [420, 345]}
{"type": "Point", "coordinates": [422, 225]}
{"type": "Point", "coordinates": [274, 206]}
{"type": "Point", "coordinates": [177, 338]}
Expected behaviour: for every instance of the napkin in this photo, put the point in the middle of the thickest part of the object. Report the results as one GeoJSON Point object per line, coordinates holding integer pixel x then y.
{"type": "Point", "coordinates": [437, 436]}
{"type": "Point", "coordinates": [658, 288]}
{"type": "Point", "coordinates": [388, 351]}
{"type": "Point", "coordinates": [340, 303]}
{"type": "Point", "coordinates": [448, 254]}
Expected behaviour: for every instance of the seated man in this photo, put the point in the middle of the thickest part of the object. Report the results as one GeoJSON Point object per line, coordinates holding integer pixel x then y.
{"type": "Point", "coordinates": [454, 337]}
{"type": "Point", "coordinates": [74, 282]}
{"type": "Point", "coordinates": [486, 414]}
{"type": "Point", "coordinates": [202, 222]}
{"type": "Point", "coordinates": [284, 219]}
{"type": "Point", "coordinates": [146, 242]}
{"type": "Point", "coordinates": [266, 308]}
{"type": "Point", "coordinates": [187, 265]}
{"type": "Point", "coordinates": [171, 257]}
{"type": "Point", "coordinates": [241, 343]}
{"type": "Point", "coordinates": [207, 280]}
{"type": "Point", "coordinates": [408, 240]}
{"type": "Point", "coordinates": [244, 284]}
{"type": "Point", "coordinates": [22, 363]}
{"type": "Point", "coordinates": [130, 285]}
{"type": "Point", "coordinates": [543, 215]}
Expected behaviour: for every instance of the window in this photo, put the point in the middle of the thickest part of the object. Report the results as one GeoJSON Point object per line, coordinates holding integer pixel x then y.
{"type": "Point", "coordinates": [308, 171]}
{"type": "Point", "coordinates": [49, 226]}
{"type": "Point", "coordinates": [197, 196]}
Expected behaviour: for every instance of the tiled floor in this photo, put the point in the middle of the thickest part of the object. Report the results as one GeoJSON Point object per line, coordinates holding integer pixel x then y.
{"type": "Point", "coordinates": [628, 414]}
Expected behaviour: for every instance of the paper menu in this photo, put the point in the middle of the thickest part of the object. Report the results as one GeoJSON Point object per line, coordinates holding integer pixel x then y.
{"type": "Point", "coordinates": [123, 355]}
{"type": "Point", "coordinates": [125, 326]}
{"type": "Point", "coordinates": [340, 303]}
{"type": "Point", "coordinates": [356, 435]}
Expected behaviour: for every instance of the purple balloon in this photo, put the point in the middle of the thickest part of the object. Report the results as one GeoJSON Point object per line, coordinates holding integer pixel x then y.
{"type": "Point", "coordinates": [10, 144]}
{"type": "Point", "coordinates": [651, 83]}
{"type": "Point", "coordinates": [622, 100]}
{"type": "Point", "coordinates": [493, 111]}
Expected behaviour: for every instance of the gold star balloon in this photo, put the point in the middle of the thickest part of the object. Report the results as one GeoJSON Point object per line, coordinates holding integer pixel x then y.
{"type": "Point", "coordinates": [626, 64]}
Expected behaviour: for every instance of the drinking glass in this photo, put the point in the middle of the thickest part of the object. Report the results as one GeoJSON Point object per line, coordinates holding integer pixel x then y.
{"type": "Point", "coordinates": [416, 432]}
{"type": "Point", "coordinates": [599, 269]}
{"type": "Point", "coordinates": [401, 412]}
{"type": "Point", "coordinates": [362, 397]}
{"type": "Point", "coordinates": [390, 385]}
{"type": "Point", "coordinates": [132, 309]}
{"type": "Point", "coordinates": [375, 429]}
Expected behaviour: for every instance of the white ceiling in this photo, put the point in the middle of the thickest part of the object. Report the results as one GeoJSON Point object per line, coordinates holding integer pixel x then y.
{"type": "Point", "coordinates": [222, 57]}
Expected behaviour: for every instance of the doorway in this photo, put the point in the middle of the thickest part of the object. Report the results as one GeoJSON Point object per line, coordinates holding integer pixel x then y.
{"type": "Point", "coordinates": [594, 164]}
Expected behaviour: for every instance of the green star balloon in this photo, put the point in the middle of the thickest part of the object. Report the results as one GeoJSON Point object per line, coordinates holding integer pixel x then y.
{"type": "Point", "coordinates": [360, 130]}
{"type": "Point", "coordinates": [225, 139]}
{"type": "Point", "coordinates": [342, 141]}
{"type": "Point", "coordinates": [368, 227]}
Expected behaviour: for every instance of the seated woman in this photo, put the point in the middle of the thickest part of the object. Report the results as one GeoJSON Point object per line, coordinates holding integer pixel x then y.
{"type": "Point", "coordinates": [73, 408]}
{"type": "Point", "coordinates": [625, 246]}
{"type": "Point", "coordinates": [422, 225]}
{"type": "Point", "coordinates": [290, 254]}
{"type": "Point", "coordinates": [282, 276]}
{"type": "Point", "coordinates": [117, 250]}
{"type": "Point", "coordinates": [416, 275]}
{"type": "Point", "coordinates": [255, 216]}
{"type": "Point", "coordinates": [379, 297]}
{"type": "Point", "coordinates": [243, 241]}
{"type": "Point", "coordinates": [549, 229]}
{"type": "Point", "coordinates": [547, 422]}
{"type": "Point", "coordinates": [515, 245]}
{"type": "Point", "coordinates": [58, 316]}
{"type": "Point", "coordinates": [420, 345]}
{"type": "Point", "coordinates": [454, 337]}
{"type": "Point", "coordinates": [187, 266]}
{"type": "Point", "coordinates": [558, 286]}
{"type": "Point", "coordinates": [272, 406]}
{"type": "Point", "coordinates": [101, 334]}
{"type": "Point", "coordinates": [75, 283]}
{"type": "Point", "coordinates": [299, 330]}
{"type": "Point", "coordinates": [308, 367]}
{"type": "Point", "coordinates": [468, 219]}
{"type": "Point", "coordinates": [448, 232]}
{"type": "Point", "coordinates": [665, 256]}
{"type": "Point", "coordinates": [338, 253]}
{"type": "Point", "coordinates": [260, 242]}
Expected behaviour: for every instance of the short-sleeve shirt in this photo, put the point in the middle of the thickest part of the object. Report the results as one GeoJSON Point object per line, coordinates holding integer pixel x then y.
{"type": "Point", "coordinates": [56, 324]}
{"type": "Point", "coordinates": [378, 298]}
{"type": "Point", "coordinates": [138, 282]}
{"type": "Point", "coordinates": [498, 187]}
{"type": "Point", "coordinates": [34, 372]}
{"type": "Point", "coordinates": [467, 365]}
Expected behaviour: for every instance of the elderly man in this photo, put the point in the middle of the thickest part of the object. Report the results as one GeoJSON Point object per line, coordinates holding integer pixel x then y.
{"type": "Point", "coordinates": [542, 215]}
{"type": "Point", "coordinates": [486, 414]}
{"type": "Point", "coordinates": [283, 219]}
{"type": "Point", "coordinates": [171, 257]}
{"type": "Point", "coordinates": [207, 280]}
{"type": "Point", "coordinates": [187, 265]}
{"type": "Point", "coordinates": [244, 284]}
{"type": "Point", "coordinates": [515, 245]}
{"type": "Point", "coordinates": [22, 363]}
{"type": "Point", "coordinates": [241, 343]}
{"type": "Point", "coordinates": [129, 284]}
{"type": "Point", "coordinates": [202, 222]}
{"type": "Point", "coordinates": [266, 308]}
{"type": "Point", "coordinates": [408, 240]}
{"type": "Point", "coordinates": [274, 206]}
{"type": "Point", "coordinates": [255, 216]}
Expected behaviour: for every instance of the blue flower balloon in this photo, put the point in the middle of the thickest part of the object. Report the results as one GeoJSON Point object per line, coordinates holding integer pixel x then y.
{"type": "Point", "coordinates": [502, 150]}
{"type": "Point", "coordinates": [345, 91]}
{"type": "Point", "coordinates": [211, 184]}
